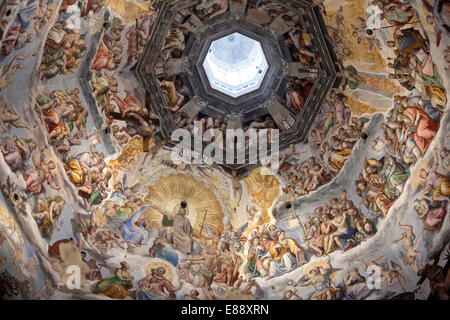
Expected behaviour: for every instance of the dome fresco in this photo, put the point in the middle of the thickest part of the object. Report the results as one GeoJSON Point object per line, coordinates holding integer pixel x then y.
{"type": "Point", "coordinates": [114, 116]}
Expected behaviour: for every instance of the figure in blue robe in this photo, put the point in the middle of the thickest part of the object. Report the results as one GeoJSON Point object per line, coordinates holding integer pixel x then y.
{"type": "Point", "coordinates": [132, 232]}
{"type": "Point", "coordinates": [162, 251]}
{"type": "Point", "coordinates": [25, 16]}
{"type": "Point", "coordinates": [168, 254]}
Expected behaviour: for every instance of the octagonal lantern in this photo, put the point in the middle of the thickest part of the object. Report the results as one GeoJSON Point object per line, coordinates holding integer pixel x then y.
{"type": "Point", "coordinates": [235, 65]}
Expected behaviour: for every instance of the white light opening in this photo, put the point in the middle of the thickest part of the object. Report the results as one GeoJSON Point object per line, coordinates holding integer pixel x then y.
{"type": "Point", "coordinates": [235, 65]}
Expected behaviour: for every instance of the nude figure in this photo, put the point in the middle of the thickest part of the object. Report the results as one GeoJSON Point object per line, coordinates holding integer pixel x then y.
{"type": "Point", "coordinates": [388, 275]}
{"type": "Point", "coordinates": [237, 187]}
{"type": "Point", "coordinates": [412, 256]}
{"type": "Point", "coordinates": [154, 149]}
{"type": "Point", "coordinates": [340, 222]}
{"type": "Point", "coordinates": [9, 116]}
{"type": "Point", "coordinates": [200, 270]}
{"type": "Point", "coordinates": [8, 72]}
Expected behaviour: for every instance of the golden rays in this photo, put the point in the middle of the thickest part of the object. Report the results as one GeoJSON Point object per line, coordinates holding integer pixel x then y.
{"type": "Point", "coordinates": [264, 189]}
{"type": "Point", "coordinates": [129, 10]}
{"type": "Point", "coordinates": [129, 154]}
{"type": "Point", "coordinates": [203, 207]}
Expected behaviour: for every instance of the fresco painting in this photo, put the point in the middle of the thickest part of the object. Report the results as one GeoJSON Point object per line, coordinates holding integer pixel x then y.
{"type": "Point", "coordinates": [87, 177]}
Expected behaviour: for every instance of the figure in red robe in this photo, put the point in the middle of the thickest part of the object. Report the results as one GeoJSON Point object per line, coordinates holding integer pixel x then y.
{"type": "Point", "coordinates": [423, 128]}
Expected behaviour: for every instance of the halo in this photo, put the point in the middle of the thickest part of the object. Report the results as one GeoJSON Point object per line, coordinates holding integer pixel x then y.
{"type": "Point", "coordinates": [160, 263]}
{"type": "Point", "coordinates": [181, 205]}
{"type": "Point", "coordinates": [169, 192]}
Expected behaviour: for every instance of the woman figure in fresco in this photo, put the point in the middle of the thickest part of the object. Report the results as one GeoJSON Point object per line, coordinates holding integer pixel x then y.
{"type": "Point", "coordinates": [16, 151]}
{"type": "Point", "coordinates": [420, 125]}
{"type": "Point", "coordinates": [395, 177]}
{"type": "Point", "coordinates": [43, 172]}
{"type": "Point", "coordinates": [134, 229]}
{"type": "Point", "coordinates": [427, 78]}
{"type": "Point", "coordinates": [107, 58]}
{"type": "Point", "coordinates": [320, 278]}
{"type": "Point", "coordinates": [118, 286]}
{"type": "Point", "coordinates": [432, 215]}
{"type": "Point", "coordinates": [339, 155]}
{"type": "Point", "coordinates": [293, 247]}
{"type": "Point", "coordinates": [48, 212]}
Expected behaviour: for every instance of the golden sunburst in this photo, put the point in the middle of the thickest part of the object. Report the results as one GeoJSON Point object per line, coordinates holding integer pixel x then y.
{"type": "Point", "coordinates": [203, 207]}
{"type": "Point", "coordinates": [264, 189]}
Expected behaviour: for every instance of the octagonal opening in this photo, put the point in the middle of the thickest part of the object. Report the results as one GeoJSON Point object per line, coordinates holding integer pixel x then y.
{"type": "Point", "coordinates": [235, 65]}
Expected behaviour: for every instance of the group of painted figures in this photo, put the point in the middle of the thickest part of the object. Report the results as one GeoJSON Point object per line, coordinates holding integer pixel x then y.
{"type": "Point", "coordinates": [296, 44]}
{"type": "Point", "coordinates": [64, 161]}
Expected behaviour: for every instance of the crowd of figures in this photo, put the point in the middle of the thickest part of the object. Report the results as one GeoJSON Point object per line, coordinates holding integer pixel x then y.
{"type": "Point", "coordinates": [21, 22]}
{"type": "Point", "coordinates": [410, 127]}
{"type": "Point", "coordinates": [335, 133]}
{"type": "Point", "coordinates": [122, 107]}
{"type": "Point", "coordinates": [380, 183]}
{"type": "Point", "coordinates": [63, 51]}
{"type": "Point", "coordinates": [220, 263]}
{"type": "Point", "coordinates": [299, 45]}
{"type": "Point", "coordinates": [216, 262]}
{"type": "Point", "coordinates": [113, 216]}
{"type": "Point", "coordinates": [435, 181]}
{"type": "Point", "coordinates": [296, 42]}
{"type": "Point", "coordinates": [65, 46]}
{"type": "Point", "coordinates": [337, 225]}
{"type": "Point", "coordinates": [65, 118]}
{"type": "Point", "coordinates": [413, 66]}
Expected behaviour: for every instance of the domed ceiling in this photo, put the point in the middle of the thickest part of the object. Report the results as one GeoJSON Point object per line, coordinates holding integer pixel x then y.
{"type": "Point", "coordinates": [349, 96]}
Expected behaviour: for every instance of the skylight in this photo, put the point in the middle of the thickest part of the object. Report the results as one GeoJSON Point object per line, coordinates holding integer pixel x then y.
{"type": "Point", "coordinates": [235, 65]}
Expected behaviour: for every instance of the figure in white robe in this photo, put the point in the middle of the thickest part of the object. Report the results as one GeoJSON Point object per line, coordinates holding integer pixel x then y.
{"type": "Point", "coordinates": [178, 231]}
{"type": "Point", "coordinates": [285, 264]}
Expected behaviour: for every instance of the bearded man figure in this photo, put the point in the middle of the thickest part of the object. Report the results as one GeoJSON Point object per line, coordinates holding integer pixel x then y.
{"type": "Point", "coordinates": [178, 230]}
